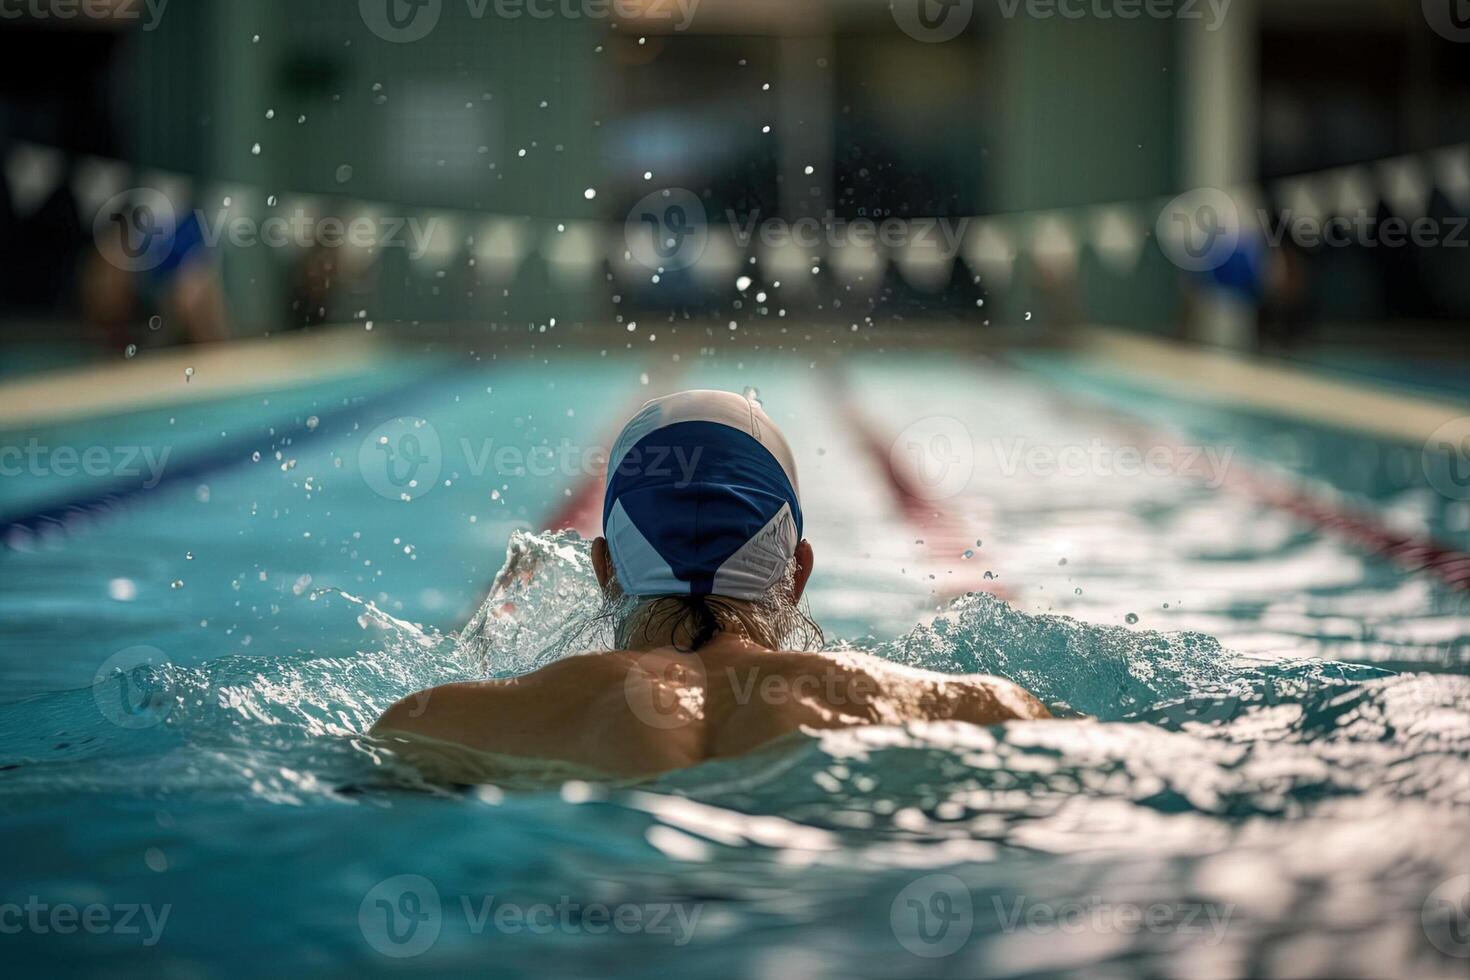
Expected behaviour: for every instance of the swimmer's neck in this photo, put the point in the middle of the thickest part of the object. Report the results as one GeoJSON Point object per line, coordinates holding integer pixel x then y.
{"type": "Point", "coordinates": [652, 633]}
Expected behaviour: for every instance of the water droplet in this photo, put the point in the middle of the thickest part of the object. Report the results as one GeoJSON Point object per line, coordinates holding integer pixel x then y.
{"type": "Point", "coordinates": [742, 283]}
{"type": "Point", "coordinates": [1077, 591]}
{"type": "Point", "coordinates": [1166, 605]}
{"type": "Point", "coordinates": [188, 374]}
{"type": "Point", "coordinates": [344, 173]}
{"type": "Point", "coordinates": [589, 193]}
{"type": "Point", "coordinates": [1131, 618]}
{"type": "Point", "coordinates": [188, 556]}
{"type": "Point", "coordinates": [177, 583]}
{"type": "Point", "coordinates": [1061, 561]}
{"type": "Point", "coordinates": [312, 422]}
{"type": "Point", "coordinates": [255, 150]}
{"type": "Point", "coordinates": [155, 322]}
{"type": "Point", "coordinates": [130, 350]}
{"type": "Point", "coordinates": [968, 554]}
{"type": "Point", "coordinates": [255, 456]}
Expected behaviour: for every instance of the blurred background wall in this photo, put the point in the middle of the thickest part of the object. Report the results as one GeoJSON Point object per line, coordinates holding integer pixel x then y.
{"type": "Point", "coordinates": [1052, 141]}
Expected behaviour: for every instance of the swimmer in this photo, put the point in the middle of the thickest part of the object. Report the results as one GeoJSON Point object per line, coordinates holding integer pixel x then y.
{"type": "Point", "coordinates": [702, 568]}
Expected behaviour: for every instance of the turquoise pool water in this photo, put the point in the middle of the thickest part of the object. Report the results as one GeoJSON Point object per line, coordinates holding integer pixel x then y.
{"type": "Point", "coordinates": [1275, 782]}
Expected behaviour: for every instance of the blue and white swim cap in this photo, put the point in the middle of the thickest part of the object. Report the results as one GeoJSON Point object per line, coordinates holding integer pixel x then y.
{"type": "Point", "coordinates": [701, 499]}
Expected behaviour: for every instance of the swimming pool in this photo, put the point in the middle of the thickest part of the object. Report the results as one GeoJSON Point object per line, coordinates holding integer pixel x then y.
{"type": "Point", "coordinates": [1275, 783]}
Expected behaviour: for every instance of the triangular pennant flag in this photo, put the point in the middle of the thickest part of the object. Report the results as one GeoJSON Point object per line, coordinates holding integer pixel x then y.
{"type": "Point", "coordinates": [789, 264]}
{"type": "Point", "coordinates": [1350, 192]}
{"type": "Point", "coordinates": [1300, 198]}
{"type": "Point", "coordinates": [1251, 212]}
{"type": "Point", "coordinates": [364, 235]}
{"type": "Point", "coordinates": [1117, 238]}
{"type": "Point", "coordinates": [1053, 243]}
{"type": "Point", "coordinates": [1405, 186]}
{"type": "Point", "coordinates": [922, 262]}
{"type": "Point", "coordinates": [858, 263]}
{"type": "Point", "coordinates": [721, 258]}
{"type": "Point", "coordinates": [177, 188]}
{"type": "Point", "coordinates": [97, 181]}
{"type": "Point", "coordinates": [989, 252]}
{"type": "Point", "coordinates": [625, 264]}
{"type": "Point", "coordinates": [440, 243]}
{"type": "Point", "coordinates": [1452, 173]}
{"type": "Point", "coordinates": [500, 247]}
{"type": "Point", "coordinates": [230, 202]}
{"type": "Point", "coordinates": [298, 211]}
{"type": "Point", "coordinates": [33, 173]}
{"type": "Point", "coordinates": [573, 251]}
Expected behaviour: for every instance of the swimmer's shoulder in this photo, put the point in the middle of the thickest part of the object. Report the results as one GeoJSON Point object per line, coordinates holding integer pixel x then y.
{"type": "Point", "coordinates": [449, 710]}
{"type": "Point", "coordinates": [912, 693]}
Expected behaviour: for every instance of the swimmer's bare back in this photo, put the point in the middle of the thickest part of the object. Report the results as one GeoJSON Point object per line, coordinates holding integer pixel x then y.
{"type": "Point", "coordinates": [627, 713]}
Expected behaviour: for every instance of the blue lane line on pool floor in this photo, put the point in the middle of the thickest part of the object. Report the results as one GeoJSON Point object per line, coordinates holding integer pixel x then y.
{"type": "Point", "coordinates": [57, 516]}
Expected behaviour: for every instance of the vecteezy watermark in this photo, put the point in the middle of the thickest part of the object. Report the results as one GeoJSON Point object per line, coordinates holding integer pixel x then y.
{"type": "Point", "coordinates": [35, 458]}
{"type": "Point", "coordinates": [135, 229]}
{"type": "Point", "coordinates": [933, 21]}
{"type": "Point", "coordinates": [149, 12]}
{"type": "Point", "coordinates": [403, 916]}
{"type": "Point", "coordinates": [405, 21]}
{"type": "Point", "coordinates": [943, 235]}
{"type": "Point", "coordinates": [934, 457]}
{"type": "Point", "coordinates": [1446, 458]}
{"type": "Point", "coordinates": [667, 230]}
{"type": "Point", "coordinates": [403, 458]}
{"type": "Point", "coordinates": [1199, 230]}
{"type": "Point", "coordinates": [1097, 915]}
{"type": "Point", "coordinates": [131, 688]}
{"type": "Point", "coordinates": [1450, 19]}
{"type": "Point", "coordinates": [139, 229]}
{"type": "Point", "coordinates": [1099, 459]}
{"type": "Point", "coordinates": [95, 918]}
{"type": "Point", "coordinates": [933, 916]}
{"type": "Point", "coordinates": [667, 694]}
{"type": "Point", "coordinates": [301, 230]}
{"type": "Point", "coordinates": [1365, 230]}
{"type": "Point", "coordinates": [1446, 917]}
{"type": "Point", "coordinates": [1211, 12]}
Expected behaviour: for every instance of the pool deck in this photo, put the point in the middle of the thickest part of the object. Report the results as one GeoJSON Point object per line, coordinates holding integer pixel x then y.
{"type": "Point", "coordinates": [239, 367]}
{"type": "Point", "coordinates": [1272, 387]}
{"type": "Point", "coordinates": [162, 377]}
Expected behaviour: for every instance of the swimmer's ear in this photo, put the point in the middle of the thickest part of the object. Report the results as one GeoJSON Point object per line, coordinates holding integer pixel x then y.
{"type": "Point", "coordinates": [601, 561]}
{"type": "Point", "coordinates": [804, 559]}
